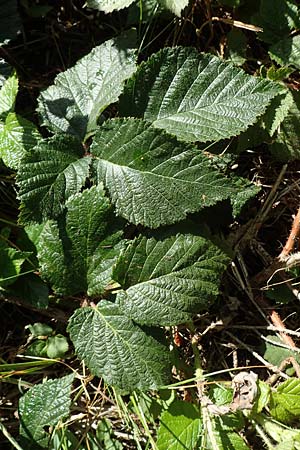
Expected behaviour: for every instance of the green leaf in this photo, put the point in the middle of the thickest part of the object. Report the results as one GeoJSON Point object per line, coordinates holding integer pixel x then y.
{"type": "Point", "coordinates": [37, 348]}
{"type": "Point", "coordinates": [57, 346]}
{"type": "Point", "coordinates": [50, 174]}
{"type": "Point", "coordinates": [95, 236]}
{"type": "Point", "coordinates": [197, 97]}
{"type": "Point", "coordinates": [17, 137]}
{"type": "Point", "coordinates": [285, 401]}
{"type": "Point", "coordinates": [44, 405]}
{"type": "Point", "coordinates": [152, 178]}
{"type": "Point", "coordinates": [245, 190]}
{"type": "Point", "coordinates": [287, 438]}
{"type": "Point", "coordinates": [168, 279]}
{"type": "Point", "coordinates": [143, 12]}
{"type": "Point", "coordinates": [11, 260]}
{"type": "Point", "coordinates": [108, 6]}
{"type": "Point", "coordinates": [275, 354]}
{"type": "Point", "coordinates": [104, 435]}
{"type": "Point", "coordinates": [39, 329]}
{"type": "Point", "coordinates": [115, 348]}
{"type": "Point", "coordinates": [286, 52]}
{"type": "Point", "coordinates": [286, 145]}
{"type": "Point", "coordinates": [63, 439]}
{"type": "Point", "coordinates": [253, 137]}
{"type": "Point", "coordinates": [180, 427]}
{"type": "Point", "coordinates": [5, 71]}
{"type": "Point", "coordinates": [220, 395]}
{"type": "Point", "coordinates": [277, 18]}
{"type": "Point", "coordinates": [175, 6]}
{"type": "Point", "coordinates": [10, 21]}
{"type": "Point", "coordinates": [78, 255]}
{"type": "Point", "coordinates": [236, 47]}
{"type": "Point", "coordinates": [264, 391]}
{"type": "Point", "coordinates": [79, 95]}
{"type": "Point", "coordinates": [55, 260]}
{"type": "Point", "coordinates": [31, 289]}
{"type": "Point", "coordinates": [277, 111]}
{"type": "Point", "coordinates": [279, 73]}
{"type": "Point", "coordinates": [225, 439]}
{"type": "Point", "coordinates": [8, 94]}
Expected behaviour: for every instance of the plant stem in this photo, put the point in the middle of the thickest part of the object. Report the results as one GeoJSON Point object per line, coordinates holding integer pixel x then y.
{"type": "Point", "coordinates": [263, 435]}
{"type": "Point", "coordinates": [294, 234]}
{"type": "Point", "coordinates": [9, 437]}
{"type": "Point", "coordinates": [142, 418]}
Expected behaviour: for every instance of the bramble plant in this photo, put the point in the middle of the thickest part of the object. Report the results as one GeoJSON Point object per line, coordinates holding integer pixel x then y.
{"type": "Point", "coordinates": [114, 184]}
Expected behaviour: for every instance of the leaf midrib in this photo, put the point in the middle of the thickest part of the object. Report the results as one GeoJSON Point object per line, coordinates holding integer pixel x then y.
{"type": "Point", "coordinates": [125, 342]}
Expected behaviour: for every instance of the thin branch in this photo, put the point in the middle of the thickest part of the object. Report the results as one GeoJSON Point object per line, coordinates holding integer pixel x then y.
{"type": "Point", "coordinates": [293, 236]}
{"type": "Point", "coordinates": [274, 369]}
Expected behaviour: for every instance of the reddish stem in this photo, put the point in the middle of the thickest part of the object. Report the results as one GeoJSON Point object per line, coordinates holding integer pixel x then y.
{"type": "Point", "coordinates": [294, 234]}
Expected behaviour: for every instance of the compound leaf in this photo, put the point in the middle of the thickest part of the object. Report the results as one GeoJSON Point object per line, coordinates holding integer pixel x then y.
{"type": "Point", "coordinates": [197, 97]}
{"type": "Point", "coordinates": [285, 401]}
{"type": "Point", "coordinates": [180, 427]}
{"type": "Point", "coordinates": [79, 255]}
{"type": "Point", "coordinates": [79, 95]}
{"type": "Point", "coordinates": [167, 279]}
{"type": "Point", "coordinates": [17, 137]}
{"type": "Point", "coordinates": [152, 178]}
{"type": "Point", "coordinates": [53, 171]}
{"type": "Point", "coordinates": [115, 348]}
{"type": "Point", "coordinates": [42, 406]}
